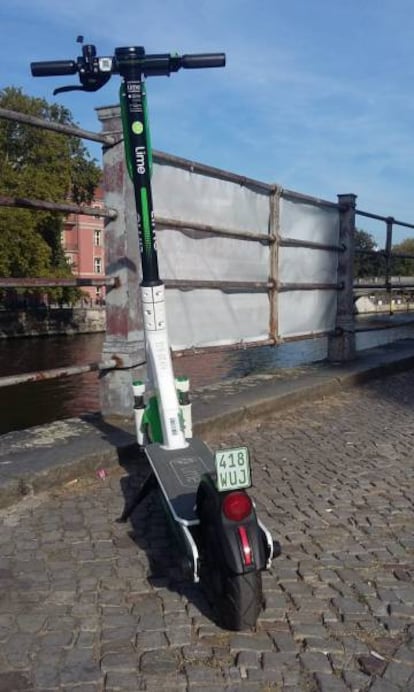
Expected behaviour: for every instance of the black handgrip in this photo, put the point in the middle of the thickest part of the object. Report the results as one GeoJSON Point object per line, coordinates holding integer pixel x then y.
{"type": "Point", "coordinates": [197, 60]}
{"type": "Point", "coordinates": [53, 68]}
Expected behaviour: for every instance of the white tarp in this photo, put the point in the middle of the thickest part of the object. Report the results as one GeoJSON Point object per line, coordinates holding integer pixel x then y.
{"type": "Point", "coordinates": [208, 316]}
{"type": "Point", "coordinates": [188, 196]}
{"type": "Point", "coordinates": [304, 312]}
{"type": "Point", "coordinates": [305, 221]}
{"type": "Point", "coordinates": [188, 256]}
{"type": "Point", "coordinates": [306, 265]}
{"type": "Point", "coordinates": [201, 317]}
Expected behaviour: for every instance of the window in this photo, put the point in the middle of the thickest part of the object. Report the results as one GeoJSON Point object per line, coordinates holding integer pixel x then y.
{"type": "Point", "coordinates": [98, 265]}
{"type": "Point", "coordinates": [99, 296]}
{"type": "Point", "coordinates": [97, 234]}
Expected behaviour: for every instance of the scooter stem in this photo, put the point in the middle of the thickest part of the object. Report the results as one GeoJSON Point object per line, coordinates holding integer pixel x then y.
{"type": "Point", "coordinates": [138, 157]}
{"type": "Point", "coordinates": [160, 366]}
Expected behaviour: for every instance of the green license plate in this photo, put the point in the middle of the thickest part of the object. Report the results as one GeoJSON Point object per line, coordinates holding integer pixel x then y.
{"type": "Point", "coordinates": [233, 469]}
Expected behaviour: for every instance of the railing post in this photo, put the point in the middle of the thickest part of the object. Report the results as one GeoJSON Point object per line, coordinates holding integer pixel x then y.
{"type": "Point", "coordinates": [388, 259]}
{"type": "Point", "coordinates": [274, 231]}
{"type": "Point", "coordinates": [341, 344]}
{"type": "Point", "coordinates": [124, 340]}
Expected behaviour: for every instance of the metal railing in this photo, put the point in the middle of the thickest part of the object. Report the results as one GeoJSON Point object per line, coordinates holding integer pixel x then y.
{"type": "Point", "coordinates": [385, 283]}
{"type": "Point", "coordinates": [56, 127]}
{"type": "Point", "coordinates": [40, 282]}
{"type": "Point", "coordinates": [64, 208]}
{"type": "Point", "coordinates": [386, 253]}
{"type": "Point", "coordinates": [273, 239]}
{"type": "Point", "coordinates": [120, 353]}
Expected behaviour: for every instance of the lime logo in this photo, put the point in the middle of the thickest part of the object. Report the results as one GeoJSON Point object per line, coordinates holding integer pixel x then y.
{"type": "Point", "coordinates": [137, 127]}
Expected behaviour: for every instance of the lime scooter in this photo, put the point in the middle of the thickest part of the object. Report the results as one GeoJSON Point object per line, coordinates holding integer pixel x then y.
{"type": "Point", "coordinates": [225, 545]}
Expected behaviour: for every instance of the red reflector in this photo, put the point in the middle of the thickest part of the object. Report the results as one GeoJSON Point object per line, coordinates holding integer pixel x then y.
{"type": "Point", "coordinates": [237, 506]}
{"type": "Point", "coordinates": [246, 549]}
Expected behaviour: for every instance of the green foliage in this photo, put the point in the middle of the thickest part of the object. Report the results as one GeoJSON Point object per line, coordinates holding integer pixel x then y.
{"type": "Point", "coordinates": [403, 266]}
{"type": "Point", "coordinates": [23, 251]}
{"type": "Point", "coordinates": [368, 262]}
{"type": "Point", "coordinates": [39, 164]}
{"type": "Point", "coordinates": [373, 264]}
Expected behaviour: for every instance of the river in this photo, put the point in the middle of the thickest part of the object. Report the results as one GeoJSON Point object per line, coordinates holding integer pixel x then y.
{"type": "Point", "coordinates": [25, 405]}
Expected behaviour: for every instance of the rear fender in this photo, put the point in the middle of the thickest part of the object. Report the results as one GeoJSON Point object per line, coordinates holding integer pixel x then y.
{"type": "Point", "coordinates": [222, 535]}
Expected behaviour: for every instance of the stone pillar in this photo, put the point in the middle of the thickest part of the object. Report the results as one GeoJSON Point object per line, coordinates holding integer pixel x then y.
{"type": "Point", "coordinates": [341, 344]}
{"type": "Point", "coordinates": [124, 340]}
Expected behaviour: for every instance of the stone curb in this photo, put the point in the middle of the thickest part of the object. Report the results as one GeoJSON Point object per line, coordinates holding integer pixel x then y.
{"type": "Point", "coordinates": [48, 456]}
{"type": "Point", "coordinates": [279, 396]}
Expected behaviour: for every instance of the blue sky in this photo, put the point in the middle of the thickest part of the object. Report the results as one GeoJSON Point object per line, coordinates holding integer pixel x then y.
{"type": "Point", "coordinates": [317, 95]}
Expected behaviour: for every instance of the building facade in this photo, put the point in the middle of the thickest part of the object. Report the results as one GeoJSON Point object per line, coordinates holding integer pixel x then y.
{"type": "Point", "coordinates": [83, 244]}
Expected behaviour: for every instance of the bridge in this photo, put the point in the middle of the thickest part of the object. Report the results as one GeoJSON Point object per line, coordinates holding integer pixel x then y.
{"type": "Point", "coordinates": [276, 264]}
{"type": "Point", "coordinates": [380, 284]}
{"type": "Point", "coordinates": [88, 603]}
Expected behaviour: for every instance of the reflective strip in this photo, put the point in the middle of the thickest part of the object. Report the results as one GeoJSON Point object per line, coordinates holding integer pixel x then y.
{"type": "Point", "coordinates": [246, 549]}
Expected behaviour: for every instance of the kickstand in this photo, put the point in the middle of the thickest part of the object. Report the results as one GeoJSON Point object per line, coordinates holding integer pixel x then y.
{"type": "Point", "coordinates": [149, 484]}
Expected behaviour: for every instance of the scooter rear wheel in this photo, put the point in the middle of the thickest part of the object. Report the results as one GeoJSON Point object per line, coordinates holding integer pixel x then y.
{"type": "Point", "coordinates": [236, 599]}
{"type": "Point", "coordinates": [235, 596]}
{"type": "Point", "coordinates": [241, 600]}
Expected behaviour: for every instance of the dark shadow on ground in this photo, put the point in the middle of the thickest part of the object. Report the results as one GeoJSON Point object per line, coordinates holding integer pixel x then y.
{"type": "Point", "coordinates": [149, 525]}
{"type": "Point", "coordinates": [152, 529]}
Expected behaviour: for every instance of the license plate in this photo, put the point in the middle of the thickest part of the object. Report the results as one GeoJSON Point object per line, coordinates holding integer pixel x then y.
{"type": "Point", "coordinates": [233, 469]}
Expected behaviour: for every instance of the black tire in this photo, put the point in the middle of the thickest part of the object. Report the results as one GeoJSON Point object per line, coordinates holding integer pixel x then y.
{"type": "Point", "coordinates": [236, 599]}
{"type": "Point", "coordinates": [241, 600]}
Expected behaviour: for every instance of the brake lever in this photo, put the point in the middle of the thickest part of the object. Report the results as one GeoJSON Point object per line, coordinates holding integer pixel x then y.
{"type": "Point", "coordinates": [90, 83]}
{"type": "Point", "coordinates": [60, 90]}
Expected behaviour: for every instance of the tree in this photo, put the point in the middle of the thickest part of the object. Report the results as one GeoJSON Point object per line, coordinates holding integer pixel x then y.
{"type": "Point", "coordinates": [39, 164]}
{"type": "Point", "coordinates": [368, 262]}
{"type": "Point", "coordinates": [403, 266]}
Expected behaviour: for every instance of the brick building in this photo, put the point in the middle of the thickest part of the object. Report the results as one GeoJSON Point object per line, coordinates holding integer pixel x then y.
{"type": "Point", "coordinates": [83, 243]}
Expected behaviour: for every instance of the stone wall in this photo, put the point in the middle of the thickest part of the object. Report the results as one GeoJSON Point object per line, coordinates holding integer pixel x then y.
{"type": "Point", "coordinates": [48, 321]}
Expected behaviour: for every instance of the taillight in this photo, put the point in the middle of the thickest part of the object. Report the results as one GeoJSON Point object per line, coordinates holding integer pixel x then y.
{"type": "Point", "coordinates": [237, 506]}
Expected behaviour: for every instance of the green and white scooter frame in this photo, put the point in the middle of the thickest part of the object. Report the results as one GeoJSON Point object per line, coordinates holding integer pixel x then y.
{"type": "Point", "coordinates": [170, 429]}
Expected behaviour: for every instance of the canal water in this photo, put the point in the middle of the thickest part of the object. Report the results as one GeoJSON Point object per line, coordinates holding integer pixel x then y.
{"type": "Point", "coordinates": [25, 405]}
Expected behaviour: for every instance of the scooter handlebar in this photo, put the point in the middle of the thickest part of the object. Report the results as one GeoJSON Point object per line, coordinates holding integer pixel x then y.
{"type": "Point", "coordinates": [94, 71]}
{"type": "Point", "coordinates": [198, 60]}
{"type": "Point", "coordinates": [53, 68]}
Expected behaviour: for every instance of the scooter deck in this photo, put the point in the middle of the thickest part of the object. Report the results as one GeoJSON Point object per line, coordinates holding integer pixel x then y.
{"type": "Point", "coordinates": [178, 472]}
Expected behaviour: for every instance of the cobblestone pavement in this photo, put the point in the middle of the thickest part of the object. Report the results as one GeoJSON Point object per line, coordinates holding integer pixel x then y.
{"type": "Point", "coordinates": [87, 604]}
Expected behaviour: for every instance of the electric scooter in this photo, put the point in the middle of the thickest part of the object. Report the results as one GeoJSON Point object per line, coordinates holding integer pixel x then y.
{"type": "Point", "coordinates": [225, 545]}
